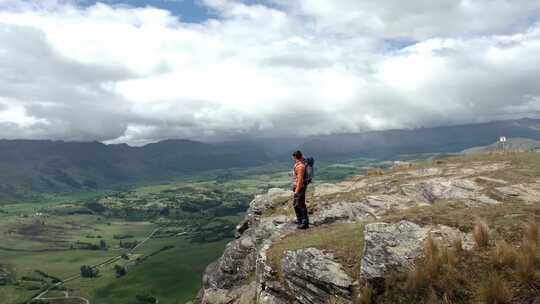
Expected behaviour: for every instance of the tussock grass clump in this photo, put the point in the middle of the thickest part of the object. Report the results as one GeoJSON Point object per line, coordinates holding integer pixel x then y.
{"type": "Point", "coordinates": [432, 297]}
{"type": "Point", "coordinates": [481, 234]}
{"type": "Point", "coordinates": [416, 280]}
{"type": "Point", "coordinates": [495, 290]}
{"type": "Point", "coordinates": [449, 256]}
{"type": "Point", "coordinates": [446, 299]}
{"type": "Point", "coordinates": [436, 272]}
{"type": "Point", "coordinates": [433, 260]}
{"type": "Point", "coordinates": [525, 267]}
{"type": "Point", "coordinates": [365, 294]}
{"type": "Point", "coordinates": [457, 245]}
{"type": "Point", "coordinates": [503, 255]}
{"type": "Point", "coordinates": [526, 257]}
{"type": "Point", "coordinates": [530, 234]}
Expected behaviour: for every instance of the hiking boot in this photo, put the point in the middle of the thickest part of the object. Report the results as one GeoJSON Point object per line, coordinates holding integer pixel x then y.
{"type": "Point", "coordinates": [303, 225]}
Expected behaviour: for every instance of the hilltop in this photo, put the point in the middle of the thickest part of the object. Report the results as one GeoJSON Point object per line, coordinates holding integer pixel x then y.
{"type": "Point", "coordinates": [450, 230]}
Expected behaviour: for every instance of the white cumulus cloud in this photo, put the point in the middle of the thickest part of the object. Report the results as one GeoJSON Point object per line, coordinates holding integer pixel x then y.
{"type": "Point", "coordinates": [116, 73]}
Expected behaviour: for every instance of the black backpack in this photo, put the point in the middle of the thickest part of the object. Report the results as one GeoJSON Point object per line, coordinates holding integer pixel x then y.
{"type": "Point", "coordinates": [310, 170]}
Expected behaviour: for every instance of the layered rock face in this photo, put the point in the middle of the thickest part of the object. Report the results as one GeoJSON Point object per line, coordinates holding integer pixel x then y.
{"type": "Point", "coordinates": [397, 245]}
{"type": "Point", "coordinates": [5, 277]}
{"type": "Point", "coordinates": [314, 277]}
{"type": "Point", "coordinates": [245, 274]}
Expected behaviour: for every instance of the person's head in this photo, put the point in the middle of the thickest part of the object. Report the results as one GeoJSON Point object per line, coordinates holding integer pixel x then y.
{"type": "Point", "coordinates": [297, 155]}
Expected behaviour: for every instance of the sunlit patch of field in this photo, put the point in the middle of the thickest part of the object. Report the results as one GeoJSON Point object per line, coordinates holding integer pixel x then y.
{"type": "Point", "coordinates": [174, 276]}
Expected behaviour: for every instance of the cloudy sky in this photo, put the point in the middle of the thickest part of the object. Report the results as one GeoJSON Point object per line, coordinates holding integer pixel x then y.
{"type": "Point", "coordinates": [145, 70]}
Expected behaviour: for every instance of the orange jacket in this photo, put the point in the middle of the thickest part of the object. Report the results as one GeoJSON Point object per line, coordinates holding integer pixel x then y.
{"type": "Point", "coordinates": [299, 173]}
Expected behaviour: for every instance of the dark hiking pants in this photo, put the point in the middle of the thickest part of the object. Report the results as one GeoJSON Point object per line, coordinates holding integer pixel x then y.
{"type": "Point", "coordinates": [300, 208]}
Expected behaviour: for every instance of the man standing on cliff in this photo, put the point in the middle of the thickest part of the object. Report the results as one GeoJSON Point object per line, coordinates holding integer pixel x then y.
{"type": "Point", "coordinates": [299, 188]}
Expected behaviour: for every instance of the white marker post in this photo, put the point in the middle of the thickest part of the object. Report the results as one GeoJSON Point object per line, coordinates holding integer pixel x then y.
{"type": "Point", "coordinates": [502, 143]}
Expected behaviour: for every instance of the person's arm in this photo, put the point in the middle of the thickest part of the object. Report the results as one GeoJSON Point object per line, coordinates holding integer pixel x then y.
{"type": "Point", "coordinates": [299, 171]}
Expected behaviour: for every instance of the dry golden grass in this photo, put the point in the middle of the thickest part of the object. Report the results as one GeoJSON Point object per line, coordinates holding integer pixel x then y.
{"type": "Point", "coordinates": [457, 245]}
{"type": "Point", "coordinates": [433, 260]}
{"type": "Point", "coordinates": [365, 294]}
{"type": "Point", "coordinates": [503, 254]}
{"type": "Point", "coordinates": [530, 234]}
{"type": "Point", "coordinates": [495, 290]}
{"type": "Point", "coordinates": [449, 256]}
{"type": "Point", "coordinates": [525, 267]}
{"type": "Point", "coordinates": [431, 248]}
{"type": "Point", "coordinates": [432, 297]}
{"type": "Point", "coordinates": [438, 264]}
{"type": "Point", "coordinates": [527, 255]}
{"type": "Point", "coordinates": [481, 234]}
{"type": "Point", "coordinates": [446, 299]}
{"type": "Point", "coordinates": [375, 172]}
{"type": "Point", "coordinates": [416, 279]}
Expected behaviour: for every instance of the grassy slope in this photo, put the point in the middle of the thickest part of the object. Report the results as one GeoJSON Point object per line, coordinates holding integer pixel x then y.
{"type": "Point", "coordinates": [173, 276]}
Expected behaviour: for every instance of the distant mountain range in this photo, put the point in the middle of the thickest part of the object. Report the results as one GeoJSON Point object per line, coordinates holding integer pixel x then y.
{"type": "Point", "coordinates": [511, 144]}
{"type": "Point", "coordinates": [28, 166]}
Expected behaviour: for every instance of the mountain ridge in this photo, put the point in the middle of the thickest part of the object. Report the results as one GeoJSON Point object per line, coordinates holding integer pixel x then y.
{"type": "Point", "coordinates": [57, 166]}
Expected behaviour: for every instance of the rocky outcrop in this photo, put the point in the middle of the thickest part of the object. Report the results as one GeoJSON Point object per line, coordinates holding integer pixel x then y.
{"type": "Point", "coordinates": [313, 277]}
{"type": "Point", "coordinates": [244, 274]}
{"type": "Point", "coordinates": [527, 193]}
{"type": "Point", "coordinates": [342, 211]}
{"type": "Point", "coordinates": [395, 246]}
{"type": "Point", "coordinates": [447, 188]}
{"type": "Point", "coordinates": [5, 276]}
{"type": "Point", "coordinates": [225, 279]}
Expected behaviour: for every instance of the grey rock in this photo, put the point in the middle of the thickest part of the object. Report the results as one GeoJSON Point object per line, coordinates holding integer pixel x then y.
{"type": "Point", "coordinates": [315, 278]}
{"type": "Point", "coordinates": [324, 189]}
{"type": "Point", "coordinates": [223, 279]}
{"type": "Point", "coordinates": [395, 246]}
{"type": "Point", "coordinates": [268, 287]}
{"type": "Point", "coordinates": [425, 172]}
{"type": "Point", "coordinates": [269, 298]}
{"type": "Point", "coordinates": [528, 193]}
{"type": "Point", "coordinates": [496, 181]}
{"type": "Point", "coordinates": [342, 211]}
{"type": "Point", "coordinates": [370, 207]}
{"type": "Point", "coordinates": [447, 188]}
{"type": "Point", "coordinates": [388, 246]}
{"type": "Point", "coordinates": [379, 205]}
{"type": "Point", "coordinates": [5, 276]}
{"type": "Point", "coordinates": [264, 201]}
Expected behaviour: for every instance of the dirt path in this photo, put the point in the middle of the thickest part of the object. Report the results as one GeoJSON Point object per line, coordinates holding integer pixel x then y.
{"type": "Point", "coordinates": [66, 296]}
{"type": "Point", "coordinates": [77, 276]}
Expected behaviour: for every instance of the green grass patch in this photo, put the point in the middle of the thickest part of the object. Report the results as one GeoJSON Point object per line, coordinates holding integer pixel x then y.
{"type": "Point", "coordinates": [14, 294]}
{"type": "Point", "coordinates": [344, 240]}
